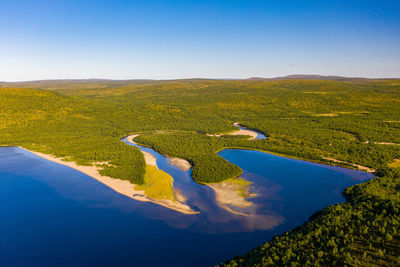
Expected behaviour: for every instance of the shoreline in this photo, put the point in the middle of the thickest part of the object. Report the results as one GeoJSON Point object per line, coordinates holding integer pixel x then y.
{"type": "Point", "coordinates": [122, 187]}
{"type": "Point", "coordinates": [359, 167]}
{"type": "Point", "coordinates": [175, 204]}
{"type": "Point", "coordinates": [329, 163]}
{"type": "Point", "coordinates": [253, 135]}
{"type": "Point", "coordinates": [181, 163]}
{"type": "Point", "coordinates": [228, 198]}
{"type": "Point", "coordinates": [352, 166]}
{"type": "Point", "coordinates": [233, 193]}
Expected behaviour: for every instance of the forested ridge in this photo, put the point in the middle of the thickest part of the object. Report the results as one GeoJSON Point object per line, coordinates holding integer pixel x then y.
{"type": "Point", "coordinates": [307, 119]}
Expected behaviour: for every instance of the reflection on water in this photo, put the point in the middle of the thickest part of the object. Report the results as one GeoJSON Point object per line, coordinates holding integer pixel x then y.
{"type": "Point", "coordinates": [287, 191]}
{"type": "Point", "coordinates": [212, 218]}
{"type": "Point", "coordinates": [50, 213]}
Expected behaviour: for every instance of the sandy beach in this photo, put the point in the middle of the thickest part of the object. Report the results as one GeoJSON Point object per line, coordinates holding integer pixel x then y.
{"type": "Point", "coordinates": [360, 167]}
{"type": "Point", "coordinates": [386, 143]}
{"type": "Point", "coordinates": [149, 158]}
{"type": "Point", "coordinates": [253, 135]}
{"type": "Point", "coordinates": [123, 187]}
{"type": "Point", "coordinates": [130, 138]}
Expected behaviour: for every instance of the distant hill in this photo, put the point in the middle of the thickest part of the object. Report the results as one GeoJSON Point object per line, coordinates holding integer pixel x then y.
{"type": "Point", "coordinates": [59, 84]}
{"type": "Point", "coordinates": [106, 83]}
{"type": "Point", "coordinates": [310, 77]}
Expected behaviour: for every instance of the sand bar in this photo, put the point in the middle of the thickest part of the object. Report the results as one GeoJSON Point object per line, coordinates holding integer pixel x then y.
{"type": "Point", "coordinates": [123, 187]}
{"type": "Point", "coordinates": [130, 138]}
{"type": "Point", "coordinates": [178, 203]}
{"type": "Point", "coordinates": [386, 143]}
{"type": "Point", "coordinates": [227, 194]}
{"type": "Point", "coordinates": [253, 135]}
{"type": "Point", "coordinates": [182, 164]}
{"type": "Point", "coordinates": [149, 158]}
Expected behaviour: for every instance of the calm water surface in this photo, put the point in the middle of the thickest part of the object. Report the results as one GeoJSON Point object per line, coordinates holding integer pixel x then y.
{"type": "Point", "coordinates": [52, 215]}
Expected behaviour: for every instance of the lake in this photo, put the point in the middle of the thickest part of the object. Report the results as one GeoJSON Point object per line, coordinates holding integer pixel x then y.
{"type": "Point", "coordinates": [52, 215]}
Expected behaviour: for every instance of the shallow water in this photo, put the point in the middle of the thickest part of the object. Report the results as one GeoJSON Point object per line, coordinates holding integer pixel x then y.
{"type": "Point", "coordinates": [54, 215]}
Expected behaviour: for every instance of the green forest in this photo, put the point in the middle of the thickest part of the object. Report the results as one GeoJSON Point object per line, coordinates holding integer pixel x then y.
{"type": "Point", "coordinates": [356, 121]}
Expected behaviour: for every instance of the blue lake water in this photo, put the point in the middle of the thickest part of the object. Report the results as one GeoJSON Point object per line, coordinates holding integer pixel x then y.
{"type": "Point", "coordinates": [52, 215]}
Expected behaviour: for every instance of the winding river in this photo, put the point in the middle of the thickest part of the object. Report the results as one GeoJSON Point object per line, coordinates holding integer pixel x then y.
{"type": "Point", "coordinates": [50, 213]}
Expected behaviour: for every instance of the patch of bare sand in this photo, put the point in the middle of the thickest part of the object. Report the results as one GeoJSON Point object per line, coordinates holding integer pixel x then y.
{"type": "Point", "coordinates": [386, 143]}
{"type": "Point", "coordinates": [130, 138]}
{"type": "Point", "coordinates": [253, 135]}
{"type": "Point", "coordinates": [360, 167]}
{"type": "Point", "coordinates": [327, 115]}
{"type": "Point", "coordinates": [381, 143]}
{"type": "Point", "coordinates": [149, 158]}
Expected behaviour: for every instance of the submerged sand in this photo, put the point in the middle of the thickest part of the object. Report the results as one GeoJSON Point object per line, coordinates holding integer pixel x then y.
{"type": "Point", "coordinates": [233, 193]}
{"type": "Point", "coordinates": [123, 187]}
{"type": "Point", "coordinates": [182, 164]}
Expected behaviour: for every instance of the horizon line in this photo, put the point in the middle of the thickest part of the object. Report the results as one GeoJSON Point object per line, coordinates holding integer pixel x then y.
{"type": "Point", "coordinates": [290, 76]}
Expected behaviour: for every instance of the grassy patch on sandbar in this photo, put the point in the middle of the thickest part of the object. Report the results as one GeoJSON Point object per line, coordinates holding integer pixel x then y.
{"type": "Point", "coordinates": [157, 184]}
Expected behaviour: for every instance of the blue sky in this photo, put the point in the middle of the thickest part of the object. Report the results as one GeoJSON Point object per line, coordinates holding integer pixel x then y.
{"type": "Point", "coordinates": [211, 39]}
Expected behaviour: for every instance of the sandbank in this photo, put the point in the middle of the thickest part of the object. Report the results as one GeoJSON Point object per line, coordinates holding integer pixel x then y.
{"type": "Point", "coordinates": [123, 187]}
{"type": "Point", "coordinates": [360, 167]}
{"type": "Point", "coordinates": [178, 202]}
{"type": "Point", "coordinates": [253, 135]}
{"type": "Point", "coordinates": [386, 143]}
{"type": "Point", "coordinates": [182, 164]}
{"type": "Point", "coordinates": [326, 115]}
{"type": "Point", "coordinates": [149, 158]}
